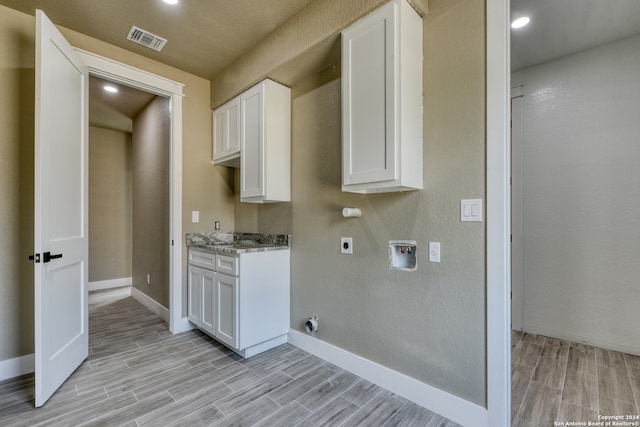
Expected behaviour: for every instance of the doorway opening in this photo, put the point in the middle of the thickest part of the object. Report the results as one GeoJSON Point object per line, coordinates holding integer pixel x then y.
{"type": "Point", "coordinates": [162, 89]}
{"type": "Point", "coordinates": [573, 321]}
{"type": "Point", "coordinates": [129, 192]}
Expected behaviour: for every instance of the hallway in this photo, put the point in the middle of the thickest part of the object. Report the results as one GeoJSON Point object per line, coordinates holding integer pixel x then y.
{"type": "Point", "coordinates": [556, 380]}
{"type": "Point", "coordinates": [138, 374]}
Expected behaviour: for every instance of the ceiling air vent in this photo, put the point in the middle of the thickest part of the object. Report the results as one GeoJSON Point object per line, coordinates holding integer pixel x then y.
{"type": "Point", "coordinates": [146, 39]}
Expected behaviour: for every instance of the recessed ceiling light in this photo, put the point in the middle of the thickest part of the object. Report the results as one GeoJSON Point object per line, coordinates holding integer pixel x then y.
{"type": "Point", "coordinates": [520, 22]}
{"type": "Point", "coordinates": [110, 89]}
{"type": "Point", "coordinates": [170, 1]}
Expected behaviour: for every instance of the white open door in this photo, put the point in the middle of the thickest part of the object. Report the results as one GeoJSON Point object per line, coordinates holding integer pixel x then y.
{"type": "Point", "coordinates": [61, 205]}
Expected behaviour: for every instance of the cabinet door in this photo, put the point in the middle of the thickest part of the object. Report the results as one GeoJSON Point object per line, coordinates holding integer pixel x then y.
{"type": "Point", "coordinates": [226, 131]}
{"type": "Point", "coordinates": [252, 143]}
{"type": "Point", "coordinates": [232, 122]}
{"type": "Point", "coordinates": [194, 292]}
{"type": "Point", "coordinates": [218, 133]}
{"type": "Point", "coordinates": [368, 98]}
{"type": "Point", "coordinates": [208, 302]}
{"type": "Point", "coordinates": [226, 309]}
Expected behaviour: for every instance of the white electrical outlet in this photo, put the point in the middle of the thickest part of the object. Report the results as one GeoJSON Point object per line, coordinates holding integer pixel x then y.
{"type": "Point", "coordinates": [195, 216]}
{"type": "Point", "coordinates": [434, 251]}
{"type": "Point", "coordinates": [148, 279]}
{"type": "Point", "coordinates": [346, 245]}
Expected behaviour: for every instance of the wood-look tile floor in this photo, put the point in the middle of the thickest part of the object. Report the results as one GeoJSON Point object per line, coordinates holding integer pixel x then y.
{"type": "Point", "coordinates": [138, 374]}
{"type": "Point", "coordinates": [560, 381]}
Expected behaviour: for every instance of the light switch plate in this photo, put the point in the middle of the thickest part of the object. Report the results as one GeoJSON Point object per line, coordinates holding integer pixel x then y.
{"type": "Point", "coordinates": [195, 216]}
{"type": "Point", "coordinates": [471, 210]}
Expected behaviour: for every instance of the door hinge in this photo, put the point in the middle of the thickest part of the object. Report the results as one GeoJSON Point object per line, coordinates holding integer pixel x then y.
{"type": "Point", "coordinates": [35, 257]}
{"type": "Point", "coordinates": [171, 242]}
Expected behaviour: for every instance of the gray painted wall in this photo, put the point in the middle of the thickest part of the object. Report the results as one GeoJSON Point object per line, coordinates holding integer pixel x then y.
{"type": "Point", "coordinates": [581, 127]}
{"type": "Point", "coordinates": [428, 324]}
{"type": "Point", "coordinates": [110, 204]}
{"type": "Point", "coordinates": [151, 179]}
{"type": "Point", "coordinates": [17, 86]}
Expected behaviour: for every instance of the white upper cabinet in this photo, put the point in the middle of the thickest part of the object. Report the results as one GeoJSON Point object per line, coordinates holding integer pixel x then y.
{"type": "Point", "coordinates": [265, 143]}
{"type": "Point", "coordinates": [382, 101]}
{"type": "Point", "coordinates": [226, 134]}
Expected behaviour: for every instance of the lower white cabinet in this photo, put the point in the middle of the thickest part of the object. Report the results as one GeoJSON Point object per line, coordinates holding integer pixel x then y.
{"type": "Point", "coordinates": [201, 298]}
{"type": "Point", "coordinates": [194, 304]}
{"type": "Point", "coordinates": [226, 308]}
{"type": "Point", "coordinates": [242, 301]}
{"type": "Point", "coordinates": [208, 297]}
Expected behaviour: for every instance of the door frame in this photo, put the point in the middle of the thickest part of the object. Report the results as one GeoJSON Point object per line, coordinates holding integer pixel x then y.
{"type": "Point", "coordinates": [498, 85]}
{"type": "Point", "coordinates": [517, 210]}
{"type": "Point", "coordinates": [125, 74]}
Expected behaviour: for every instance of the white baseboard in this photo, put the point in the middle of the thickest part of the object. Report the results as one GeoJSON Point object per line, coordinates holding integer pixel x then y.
{"type": "Point", "coordinates": [109, 284]}
{"type": "Point", "coordinates": [151, 304]}
{"type": "Point", "coordinates": [17, 366]}
{"type": "Point", "coordinates": [452, 407]}
{"type": "Point", "coordinates": [588, 340]}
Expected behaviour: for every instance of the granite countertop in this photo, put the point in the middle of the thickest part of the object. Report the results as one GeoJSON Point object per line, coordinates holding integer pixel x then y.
{"type": "Point", "coordinates": [238, 243]}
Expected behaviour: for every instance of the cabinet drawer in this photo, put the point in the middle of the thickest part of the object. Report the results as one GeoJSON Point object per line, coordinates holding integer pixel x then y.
{"type": "Point", "coordinates": [202, 259]}
{"type": "Point", "coordinates": [227, 265]}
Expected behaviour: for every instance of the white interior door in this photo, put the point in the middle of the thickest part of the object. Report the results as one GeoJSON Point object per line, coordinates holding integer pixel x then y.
{"type": "Point", "coordinates": [61, 244]}
{"type": "Point", "coordinates": [517, 212]}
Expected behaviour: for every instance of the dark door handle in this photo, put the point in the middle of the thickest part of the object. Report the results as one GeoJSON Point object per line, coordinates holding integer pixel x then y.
{"type": "Point", "coordinates": [35, 257]}
{"type": "Point", "coordinates": [48, 257]}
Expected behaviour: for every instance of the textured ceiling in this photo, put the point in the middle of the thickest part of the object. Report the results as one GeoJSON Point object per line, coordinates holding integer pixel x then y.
{"type": "Point", "coordinates": [562, 27]}
{"type": "Point", "coordinates": [204, 36]}
{"type": "Point", "coordinates": [115, 110]}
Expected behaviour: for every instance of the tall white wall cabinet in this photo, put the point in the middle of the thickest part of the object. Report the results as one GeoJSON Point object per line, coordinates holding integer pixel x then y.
{"type": "Point", "coordinates": [265, 143]}
{"type": "Point", "coordinates": [253, 132]}
{"type": "Point", "coordinates": [382, 101]}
